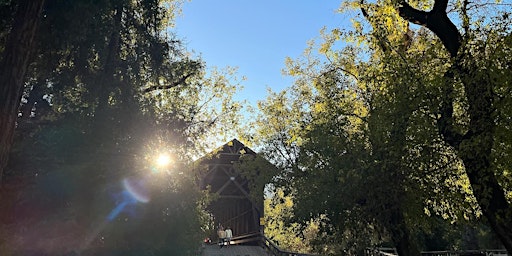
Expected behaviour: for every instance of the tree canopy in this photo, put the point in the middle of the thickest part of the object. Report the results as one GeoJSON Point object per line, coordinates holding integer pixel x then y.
{"type": "Point", "coordinates": [107, 88]}
{"type": "Point", "coordinates": [394, 132]}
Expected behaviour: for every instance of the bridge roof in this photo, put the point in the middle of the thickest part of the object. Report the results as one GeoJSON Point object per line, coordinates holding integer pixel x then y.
{"type": "Point", "coordinates": [227, 153]}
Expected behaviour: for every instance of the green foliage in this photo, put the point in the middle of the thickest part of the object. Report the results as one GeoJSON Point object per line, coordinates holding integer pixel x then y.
{"type": "Point", "coordinates": [288, 236]}
{"type": "Point", "coordinates": [109, 89]}
{"type": "Point", "coordinates": [362, 123]}
{"type": "Point", "coordinates": [258, 172]}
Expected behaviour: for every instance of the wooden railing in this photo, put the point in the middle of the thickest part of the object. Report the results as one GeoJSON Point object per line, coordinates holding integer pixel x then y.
{"type": "Point", "coordinates": [252, 237]}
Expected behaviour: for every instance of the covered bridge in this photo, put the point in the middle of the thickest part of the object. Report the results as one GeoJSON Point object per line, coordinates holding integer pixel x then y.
{"type": "Point", "coordinates": [234, 204]}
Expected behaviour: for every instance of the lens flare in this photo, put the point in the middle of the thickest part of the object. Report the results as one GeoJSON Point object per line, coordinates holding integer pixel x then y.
{"type": "Point", "coordinates": [137, 189]}
{"type": "Point", "coordinates": [163, 160]}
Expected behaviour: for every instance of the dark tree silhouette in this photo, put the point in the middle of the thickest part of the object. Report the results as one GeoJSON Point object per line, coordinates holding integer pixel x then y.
{"type": "Point", "coordinates": [13, 66]}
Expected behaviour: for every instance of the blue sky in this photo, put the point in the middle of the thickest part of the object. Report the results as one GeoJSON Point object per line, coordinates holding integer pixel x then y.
{"type": "Point", "coordinates": [255, 36]}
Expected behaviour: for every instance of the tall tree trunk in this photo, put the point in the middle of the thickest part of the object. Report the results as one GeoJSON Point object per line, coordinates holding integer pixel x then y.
{"type": "Point", "coordinates": [475, 150]}
{"type": "Point", "coordinates": [13, 66]}
{"type": "Point", "coordinates": [475, 146]}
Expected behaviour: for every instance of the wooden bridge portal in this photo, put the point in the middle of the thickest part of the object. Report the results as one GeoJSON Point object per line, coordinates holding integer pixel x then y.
{"type": "Point", "coordinates": [233, 206]}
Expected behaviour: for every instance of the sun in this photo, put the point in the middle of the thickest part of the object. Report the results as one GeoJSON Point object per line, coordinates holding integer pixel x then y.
{"type": "Point", "coordinates": [163, 160]}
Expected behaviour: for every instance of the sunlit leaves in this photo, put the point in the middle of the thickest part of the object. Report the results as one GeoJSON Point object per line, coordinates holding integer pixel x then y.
{"type": "Point", "coordinates": [289, 236]}
{"type": "Point", "coordinates": [369, 118]}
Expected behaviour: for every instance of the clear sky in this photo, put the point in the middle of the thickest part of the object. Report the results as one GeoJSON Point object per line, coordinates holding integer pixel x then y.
{"type": "Point", "coordinates": [256, 36]}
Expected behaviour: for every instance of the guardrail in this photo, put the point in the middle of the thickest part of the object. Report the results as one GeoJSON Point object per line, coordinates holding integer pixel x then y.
{"type": "Point", "coordinates": [274, 249]}
{"type": "Point", "coordinates": [466, 253]}
{"type": "Point", "coordinates": [383, 251]}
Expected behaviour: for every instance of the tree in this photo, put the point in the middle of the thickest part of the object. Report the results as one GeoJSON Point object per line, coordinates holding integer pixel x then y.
{"type": "Point", "coordinates": [13, 65]}
{"type": "Point", "coordinates": [107, 91]}
{"type": "Point", "coordinates": [361, 143]}
{"type": "Point", "coordinates": [373, 121]}
{"type": "Point", "coordinates": [292, 237]}
{"type": "Point", "coordinates": [474, 145]}
{"type": "Point", "coordinates": [466, 88]}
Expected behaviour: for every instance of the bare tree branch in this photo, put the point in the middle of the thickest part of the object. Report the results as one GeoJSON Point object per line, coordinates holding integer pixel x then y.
{"type": "Point", "coordinates": [437, 21]}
